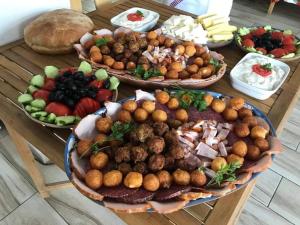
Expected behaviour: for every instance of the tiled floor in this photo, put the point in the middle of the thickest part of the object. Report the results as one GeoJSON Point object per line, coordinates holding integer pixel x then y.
{"type": "Point", "coordinates": [274, 201]}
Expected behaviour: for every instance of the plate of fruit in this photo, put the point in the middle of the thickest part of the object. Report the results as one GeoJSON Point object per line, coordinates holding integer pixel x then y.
{"type": "Point", "coordinates": [278, 44]}
{"type": "Point", "coordinates": [61, 97]}
{"type": "Point", "coordinates": [167, 150]}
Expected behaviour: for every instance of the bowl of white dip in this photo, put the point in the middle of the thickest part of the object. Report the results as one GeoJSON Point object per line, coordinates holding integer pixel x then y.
{"type": "Point", "coordinates": [258, 76]}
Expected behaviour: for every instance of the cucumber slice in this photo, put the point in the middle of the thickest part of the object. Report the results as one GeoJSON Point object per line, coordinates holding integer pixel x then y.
{"type": "Point", "coordinates": [243, 31]}
{"type": "Point", "coordinates": [39, 114]}
{"type": "Point", "coordinates": [114, 83]}
{"type": "Point", "coordinates": [77, 119]}
{"type": "Point", "coordinates": [85, 67]}
{"type": "Point", "coordinates": [32, 89]}
{"type": "Point", "coordinates": [288, 32]}
{"type": "Point", "coordinates": [101, 74]}
{"type": "Point", "coordinates": [28, 108]}
{"type": "Point", "coordinates": [25, 99]}
{"type": "Point", "coordinates": [35, 109]}
{"type": "Point", "coordinates": [38, 103]}
{"type": "Point", "coordinates": [37, 80]}
{"type": "Point", "coordinates": [64, 120]}
{"type": "Point", "coordinates": [43, 119]}
{"type": "Point", "coordinates": [51, 118]}
{"type": "Point", "coordinates": [51, 71]}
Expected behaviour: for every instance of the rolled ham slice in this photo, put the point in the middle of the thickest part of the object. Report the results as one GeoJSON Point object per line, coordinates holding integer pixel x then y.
{"type": "Point", "coordinates": [169, 207]}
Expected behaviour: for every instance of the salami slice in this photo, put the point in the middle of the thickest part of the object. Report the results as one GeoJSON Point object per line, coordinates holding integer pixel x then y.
{"type": "Point", "coordinates": [116, 192]}
{"type": "Point", "coordinates": [172, 192]}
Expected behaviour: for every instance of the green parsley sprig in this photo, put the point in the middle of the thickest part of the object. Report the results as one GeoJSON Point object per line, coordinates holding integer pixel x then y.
{"type": "Point", "coordinates": [188, 98]}
{"type": "Point", "coordinates": [101, 41]}
{"type": "Point", "coordinates": [119, 130]}
{"type": "Point", "coordinates": [140, 13]}
{"type": "Point", "coordinates": [146, 74]}
{"type": "Point", "coordinates": [267, 66]}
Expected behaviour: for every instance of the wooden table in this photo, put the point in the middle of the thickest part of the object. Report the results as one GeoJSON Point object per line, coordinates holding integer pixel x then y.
{"type": "Point", "coordinates": [17, 65]}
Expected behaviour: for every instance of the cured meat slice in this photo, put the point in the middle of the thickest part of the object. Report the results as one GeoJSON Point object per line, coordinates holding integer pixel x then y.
{"type": "Point", "coordinates": [194, 195]}
{"type": "Point", "coordinates": [223, 133]}
{"type": "Point", "coordinates": [186, 141]}
{"type": "Point", "coordinates": [116, 192]}
{"type": "Point", "coordinates": [128, 208]}
{"type": "Point", "coordinates": [206, 151]}
{"type": "Point", "coordinates": [79, 166]}
{"type": "Point", "coordinates": [222, 149]}
{"type": "Point", "coordinates": [167, 207]}
{"type": "Point", "coordinates": [140, 196]}
{"type": "Point", "coordinates": [172, 192]}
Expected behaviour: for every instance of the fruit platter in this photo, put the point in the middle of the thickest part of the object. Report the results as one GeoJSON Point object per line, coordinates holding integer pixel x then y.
{"type": "Point", "coordinates": [278, 44]}
{"type": "Point", "coordinates": [167, 150]}
{"type": "Point", "coordinates": [151, 59]}
{"type": "Point", "coordinates": [61, 97]}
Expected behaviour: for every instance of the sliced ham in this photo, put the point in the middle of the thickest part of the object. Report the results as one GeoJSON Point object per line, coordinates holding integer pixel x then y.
{"type": "Point", "coordinates": [206, 151]}
{"type": "Point", "coordinates": [128, 208]}
{"type": "Point", "coordinates": [211, 141]}
{"type": "Point", "coordinates": [168, 207]}
{"type": "Point", "coordinates": [186, 141]}
{"type": "Point", "coordinates": [79, 166]}
{"type": "Point", "coordinates": [222, 149]}
{"type": "Point", "coordinates": [223, 133]}
{"type": "Point", "coordinates": [210, 173]}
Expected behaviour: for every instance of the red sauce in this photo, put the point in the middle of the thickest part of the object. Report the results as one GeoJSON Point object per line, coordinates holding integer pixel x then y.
{"type": "Point", "coordinates": [134, 17]}
{"type": "Point", "coordinates": [257, 68]}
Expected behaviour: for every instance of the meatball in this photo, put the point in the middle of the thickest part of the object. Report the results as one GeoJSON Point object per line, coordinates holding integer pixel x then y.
{"type": "Point", "coordinates": [124, 168]}
{"type": "Point", "coordinates": [98, 160]}
{"type": "Point", "coordinates": [174, 123]}
{"type": "Point", "coordinates": [232, 158]}
{"type": "Point", "coordinates": [140, 167]}
{"type": "Point", "coordinates": [109, 61]}
{"type": "Point", "coordinates": [142, 42]}
{"type": "Point", "coordinates": [130, 65]}
{"type": "Point", "coordinates": [172, 74]}
{"type": "Point", "coordinates": [187, 164]}
{"type": "Point", "coordinates": [180, 49]}
{"type": "Point", "coordinates": [169, 42]}
{"type": "Point", "coordinates": [151, 182]}
{"type": "Point", "coordinates": [131, 37]}
{"type": "Point", "coordinates": [144, 131]}
{"type": "Point", "coordinates": [156, 144]}
{"type": "Point", "coordinates": [122, 154]}
{"type": "Point", "coordinates": [133, 46]}
{"type": "Point", "coordinates": [124, 116]}
{"type": "Point", "coordinates": [218, 163]}
{"type": "Point", "coordinates": [181, 177]}
{"type": "Point", "coordinates": [83, 147]}
{"type": "Point", "coordinates": [236, 103]}
{"type": "Point", "coordinates": [218, 105]}
{"type": "Point", "coordinates": [181, 115]}
{"type": "Point", "coordinates": [103, 124]}
{"type": "Point", "coordinates": [149, 106]}
{"type": "Point", "coordinates": [177, 151]}
{"type": "Point", "coordinates": [239, 148]}
{"type": "Point", "coordinates": [112, 178]}
{"type": "Point", "coordinates": [199, 50]}
{"type": "Point", "coordinates": [129, 105]}
{"type": "Point", "coordinates": [184, 74]}
{"type": "Point", "coordinates": [250, 120]}
{"type": "Point", "coordinates": [140, 115]}
{"type": "Point", "coordinates": [169, 162]}
{"type": "Point", "coordinates": [133, 180]}
{"type": "Point", "coordinates": [253, 152]}
{"type": "Point", "coordinates": [159, 116]}
{"type": "Point", "coordinates": [173, 103]}
{"type": "Point", "coordinates": [105, 50]}
{"type": "Point", "coordinates": [208, 99]}
{"type": "Point", "coordinates": [198, 178]}
{"type": "Point", "coordinates": [94, 179]}
{"type": "Point", "coordinates": [262, 144]}
{"type": "Point", "coordinates": [241, 130]}
{"type": "Point", "coordinates": [156, 162]}
{"type": "Point", "coordinates": [171, 138]}
{"type": "Point", "coordinates": [192, 68]}
{"type": "Point", "coordinates": [160, 128]}
{"type": "Point", "coordinates": [100, 139]}
{"type": "Point", "coordinates": [118, 48]}
{"type": "Point", "coordinates": [230, 114]}
{"type": "Point", "coordinates": [165, 179]}
{"type": "Point", "coordinates": [190, 50]}
{"type": "Point", "coordinates": [258, 132]}
{"type": "Point", "coordinates": [244, 112]}
{"type": "Point", "coordinates": [138, 154]}
{"type": "Point", "coordinates": [198, 61]}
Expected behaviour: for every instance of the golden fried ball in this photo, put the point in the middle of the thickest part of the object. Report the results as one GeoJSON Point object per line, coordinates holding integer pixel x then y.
{"type": "Point", "coordinates": [241, 130]}
{"type": "Point", "coordinates": [101, 139]}
{"type": "Point", "coordinates": [193, 68]}
{"type": "Point", "coordinates": [181, 177]}
{"type": "Point", "coordinates": [250, 120]}
{"type": "Point", "coordinates": [133, 180]}
{"type": "Point", "coordinates": [84, 146]}
{"type": "Point", "coordinates": [130, 65]}
{"type": "Point", "coordinates": [239, 148]}
{"type": "Point", "coordinates": [154, 42]}
{"type": "Point", "coordinates": [163, 70]}
{"type": "Point", "coordinates": [161, 39]}
{"type": "Point", "coordinates": [198, 61]}
{"type": "Point", "coordinates": [94, 179]}
{"type": "Point", "coordinates": [172, 74]}
{"type": "Point", "coordinates": [258, 132]}
{"type": "Point", "coordinates": [181, 115]}
{"type": "Point", "coordinates": [124, 116]}
{"type": "Point", "coordinates": [230, 114]}
{"type": "Point", "coordinates": [112, 178]}
{"type": "Point", "coordinates": [169, 42]}
{"type": "Point", "coordinates": [187, 43]}
{"type": "Point", "coordinates": [151, 182]}
{"type": "Point", "coordinates": [218, 105]}
{"type": "Point", "coordinates": [244, 112]}
{"type": "Point", "coordinates": [129, 105]}
{"type": "Point", "coordinates": [98, 160]}
{"type": "Point", "coordinates": [262, 144]}
{"type": "Point", "coordinates": [149, 106]}
{"type": "Point", "coordinates": [190, 50]}
{"type": "Point", "coordinates": [205, 56]}
{"type": "Point", "coordinates": [218, 163]}
{"type": "Point", "coordinates": [151, 35]}
{"type": "Point", "coordinates": [173, 103]}
{"type": "Point", "coordinates": [118, 65]}
{"type": "Point", "coordinates": [165, 179]}
{"type": "Point", "coordinates": [109, 61]}
{"type": "Point", "coordinates": [159, 116]}
{"type": "Point", "coordinates": [198, 178]}
{"type": "Point", "coordinates": [184, 74]}
{"type": "Point", "coordinates": [140, 115]}
{"type": "Point", "coordinates": [232, 158]}
{"type": "Point", "coordinates": [253, 152]}
{"type": "Point", "coordinates": [236, 103]}
{"type": "Point", "coordinates": [180, 49]}
{"type": "Point", "coordinates": [199, 50]}
{"type": "Point", "coordinates": [103, 124]}
{"type": "Point", "coordinates": [177, 66]}
{"type": "Point", "coordinates": [162, 97]}
{"type": "Point", "coordinates": [208, 99]}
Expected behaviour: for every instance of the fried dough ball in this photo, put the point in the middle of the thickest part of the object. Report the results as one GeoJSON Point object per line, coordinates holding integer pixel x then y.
{"type": "Point", "coordinates": [151, 35]}
{"type": "Point", "coordinates": [253, 152]}
{"type": "Point", "coordinates": [84, 146]}
{"type": "Point", "coordinates": [211, 67]}
{"type": "Point", "coordinates": [199, 50]}
{"type": "Point", "coordinates": [105, 50]}
{"type": "Point", "coordinates": [180, 49]}
{"type": "Point", "coordinates": [159, 116]}
{"type": "Point", "coordinates": [143, 60]}
{"type": "Point", "coordinates": [118, 65]}
{"type": "Point", "coordinates": [181, 177]}
{"type": "Point", "coordinates": [198, 178]}
{"type": "Point", "coordinates": [232, 158]}
{"type": "Point", "coordinates": [156, 144]}
{"type": "Point", "coordinates": [138, 154]}
{"type": "Point", "coordinates": [161, 39]}
{"type": "Point", "coordinates": [262, 144]}
{"type": "Point", "coordinates": [156, 162]}
{"type": "Point", "coordinates": [181, 115]}
{"type": "Point", "coordinates": [169, 42]}
{"type": "Point", "coordinates": [198, 61]}
{"type": "Point", "coordinates": [154, 42]}
{"type": "Point", "coordinates": [140, 167]}
{"type": "Point", "coordinates": [112, 178]}
{"type": "Point", "coordinates": [190, 50]}
{"type": "Point", "coordinates": [103, 124]}
{"type": "Point", "coordinates": [236, 103]}
{"type": "Point", "coordinates": [122, 154]}
{"type": "Point", "coordinates": [149, 106]}
{"type": "Point", "coordinates": [250, 120]}
{"type": "Point", "coordinates": [177, 66]}
{"type": "Point", "coordinates": [173, 103]}
{"type": "Point", "coordinates": [258, 132]}
{"type": "Point", "coordinates": [192, 68]}
{"type": "Point", "coordinates": [230, 114]}
{"type": "Point", "coordinates": [208, 99]}
{"type": "Point", "coordinates": [205, 56]}
{"type": "Point", "coordinates": [241, 130]}
{"type": "Point", "coordinates": [165, 179]}
{"type": "Point", "coordinates": [140, 115]}
{"type": "Point", "coordinates": [218, 105]}
{"type": "Point", "coordinates": [118, 48]}
{"type": "Point", "coordinates": [188, 43]}
{"type": "Point", "coordinates": [184, 74]}
{"type": "Point", "coordinates": [130, 65]}
{"type": "Point", "coordinates": [133, 180]}
{"type": "Point", "coordinates": [196, 76]}
{"type": "Point", "coordinates": [124, 168]}
{"type": "Point", "coordinates": [177, 151]}
{"type": "Point", "coordinates": [163, 70]}
{"type": "Point", "coordinates": [109, 61]}
{"type": "Point", "coordinates": [94, 179]}
{"type": "Point", "coordinates": [151, 182]}
{"type": "Point", "coordinates": [205, 72]}
{"type": "Point", "coordinates": [244, 112]}
{"type": "Point", "coordinates": [143, 132]}
{"type": "Point", "coordinates": [162, 97]}
{"type": "Point", "coordinates": [172, 74]}
{"type": "Point", "coordinates": [124, 116]}
{"type": "Point", "coordinates": [98, 160]}
{"type": "Point", "coordinates": [218, 163]}
{"type": "Point", "coordinates": [129, 105]}
{"type": "Point", "coordinates": [239, 148]}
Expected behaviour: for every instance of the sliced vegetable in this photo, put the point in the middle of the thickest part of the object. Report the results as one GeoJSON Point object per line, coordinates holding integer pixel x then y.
{"type": "Point", "coordinates": [101, 74]}
{"type": "Point", "coordinates": [64, 120]}
{"type": "Point", "coordinates": [38, 80]}
{"type": "Point", "coordinates": [28, 108]}
{"type": "Point", "coordinates": [32, 89]}
{"type": "Point", "coordinates": [25, 98]}
{"type": "Point", "coordinates": [51, 71]}
{"type": "Point", "coordinates": [51, 118]}
{"type": "Point", "coordinates": [38, 103]}
{"type": "Point", "coordinates": [114, 83]}
{"type": "Point", "coordinates": [39, 114]}
{"type": "Point", "coordinates": [43, 119]}
{"type": "Point", "coordinates": [85, 67]}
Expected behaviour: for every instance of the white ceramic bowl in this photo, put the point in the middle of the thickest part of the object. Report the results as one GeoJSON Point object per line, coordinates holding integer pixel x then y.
{"type": "Point", "coordinates": [116, 21]}
{"type": "Point", "coordinates": [250, 90]}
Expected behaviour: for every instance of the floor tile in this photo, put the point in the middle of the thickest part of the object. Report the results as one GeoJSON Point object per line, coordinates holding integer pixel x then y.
{"type": "Point", "coordinates": [265, 187]}
{"type": "Point", "coordinates": [290, 136]}
{"type": "Point", "coordinates": [256, 213]}
{"type": "Point", "coordinates": [35, 211]}
{"type": "Point", "coordinates": [286, 201]}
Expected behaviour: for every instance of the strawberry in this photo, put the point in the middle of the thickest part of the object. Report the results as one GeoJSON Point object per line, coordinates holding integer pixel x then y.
{"type": "Point", "coordinates": [288, 40]}
{"type": "Point", "coordinates": [278, 52]}
{"type": "Point", "coordinates": [258, 32]}
{"type": "Point", "coordinates": [49, 84]}
{"type": "Point", "coordinates": [58, 109]}
{"type": "Point", "coordinates": [289, 48]}
{"type": "Point", "coordinates": [277, 35]}
{"type": "Point", "coordinates": [79, 111]}
{"type": "Point", "coordinates": [96, 83]}
{"type": "Point", "coordinates": [262, 50]}
{"type": "Point", "coordinates": [86, 106]}
{"type": "Point", "coordinates": [248, 43]}
{"type": "Point", "coordinates": [104, 95]}
{"type": "Point", "coordinates": [42, 94]}
{"type": "Point", "coordinates": [247, 36]}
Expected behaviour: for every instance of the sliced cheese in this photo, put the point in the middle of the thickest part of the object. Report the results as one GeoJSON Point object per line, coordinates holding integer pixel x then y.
{"type": "Point", "coordinates": [217, 26]}
{"type": "Point", "coordinates": [222, 37]}
{"type": "Point", "coordinates": [222, 29]}
{"type": "Point", "coordinates": [201, 17]}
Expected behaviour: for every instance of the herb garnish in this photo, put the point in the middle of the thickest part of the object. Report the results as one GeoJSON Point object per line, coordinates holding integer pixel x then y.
{"type": "Point", "coordinates": [215, 63]}
{"type": "Point", "coordinates": [189, 98]}
{"type": "Point", "coordinates": [226, 173]}
{"type": "Point", "coordinates": [101, 41]}
{"type": "Point", "coordinates": [146, 74]}
{"type": "Point", "coordinates": [139, 13]}
{"type": "Point", "coordinates": [267, 66]}
{"type": "Point", "coordinates": [119, 130]}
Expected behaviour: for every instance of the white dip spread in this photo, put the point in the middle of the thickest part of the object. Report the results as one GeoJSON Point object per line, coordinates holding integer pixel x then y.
{"type": "Point", "coordinates": [148, 16]}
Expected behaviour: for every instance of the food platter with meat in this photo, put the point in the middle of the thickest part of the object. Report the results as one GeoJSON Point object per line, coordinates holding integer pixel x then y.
{"type": "Point", "coordinates": [167, 150]}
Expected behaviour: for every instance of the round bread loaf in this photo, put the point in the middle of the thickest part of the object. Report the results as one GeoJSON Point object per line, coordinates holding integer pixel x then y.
{"type": "Point", "coordinates": [55, 32]}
